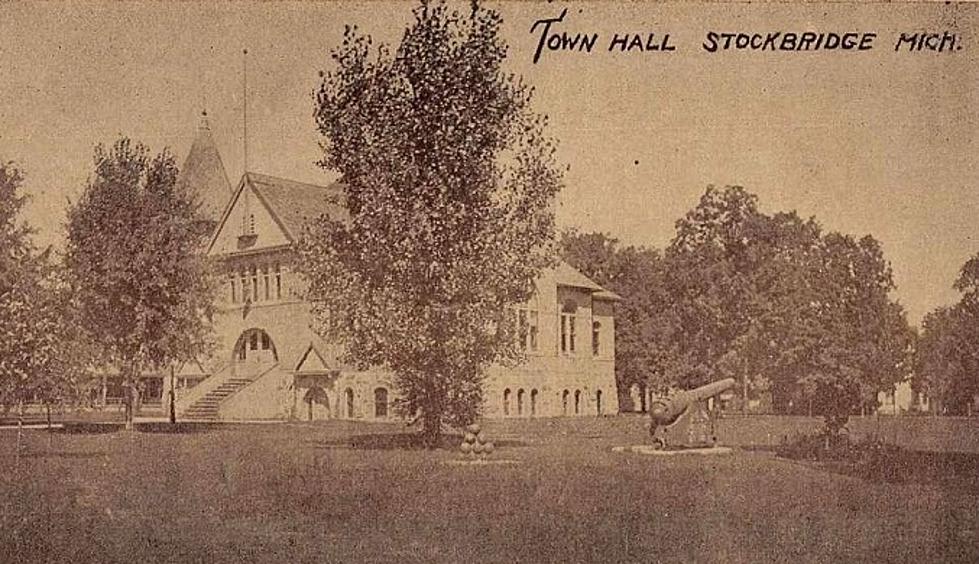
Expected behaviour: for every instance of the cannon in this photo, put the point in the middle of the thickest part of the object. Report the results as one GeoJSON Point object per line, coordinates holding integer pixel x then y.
{"type": "Point", "coordinates": [683, 419]}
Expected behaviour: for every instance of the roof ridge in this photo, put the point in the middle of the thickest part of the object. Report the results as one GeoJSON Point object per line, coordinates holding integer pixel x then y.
{"type": "Point", "coordinates": [259, 176]}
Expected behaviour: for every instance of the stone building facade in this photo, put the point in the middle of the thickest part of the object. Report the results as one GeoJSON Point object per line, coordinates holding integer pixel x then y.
{"type": "Point", "coordinates": [270, 364]}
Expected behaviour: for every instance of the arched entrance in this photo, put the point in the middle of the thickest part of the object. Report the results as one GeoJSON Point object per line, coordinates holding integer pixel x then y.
{"type": "Point", "coordinates": [317, 403]}
{"type": "Point", "coordinates": [255, 348]}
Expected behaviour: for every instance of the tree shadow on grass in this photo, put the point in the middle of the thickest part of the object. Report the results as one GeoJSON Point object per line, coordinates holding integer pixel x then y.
{"type": "Point", "coordinates": [85, 428]}
{"type": "Point", "coordinates": [69, 428]}
{"type": "Point", "coordinates": [179, 427]}
{"type": "Point", "coordinates": [401, 441]}
{"type": "Point", "coordinates": [64, 454]}
{"type": "Point", "coordinates": [899, 466]}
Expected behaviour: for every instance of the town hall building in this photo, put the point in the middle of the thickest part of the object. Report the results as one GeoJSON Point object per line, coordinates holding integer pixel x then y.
{"type": "Point", "coordinates": [270, 364]}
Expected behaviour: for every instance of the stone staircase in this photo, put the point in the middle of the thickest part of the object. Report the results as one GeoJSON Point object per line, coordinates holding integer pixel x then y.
{"type": "Point", "coordinates": [207, 406]}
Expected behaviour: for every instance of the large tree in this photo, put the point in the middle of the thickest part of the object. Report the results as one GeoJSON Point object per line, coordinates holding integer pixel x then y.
{"type": "Point", "coordinates": [947, 366]}
{"type": "Point", "coordinates": [449, 179]}
{"type": "Point", "coordinates": [134, 242]}
{"type": "Point", "coordinates": [42, 354]}
{"type": "Point", "coordinates": [782, 307]}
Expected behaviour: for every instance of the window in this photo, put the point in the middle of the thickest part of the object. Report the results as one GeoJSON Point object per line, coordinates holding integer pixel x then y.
{"type": "Point", "coordinates": [253, 341]}
{"type": "Point", "coordinates": [522, 333]}
{"type": "Point", "coordinates": [349, 396]}
{"type": "Point", "coordinates": [577, 402]}
{"type": "Point", "coordinates": [234, 291]}
{"type": "Point", "coordinates": [265, 278]}
{"type": "Point", "coordinates": [266, 341]}
{"type": "Point", "coordinates": [568, 329]}
{"type": "Point", "coordinates": [506, 401]}
{"type": "Point", "coordinates": [564, 402]}
{"type": "Point", "coordinates": [254, 284]}
{"type": "Point", "coordinates": [596, 333]}
{"type": "Point", "coordinates": [520, 394]}
{"type": "Point", "coordinates": [380, 402]}
{"type": "Point", "coordinates": [528, 321]}
{"type": "Point", "coordinates": [533, 402]}
{"type": "Point", "coordinates": [278, 282]}
{"type": "Point", "coordinates": [598, 402]}
{"type": "Point", "coordinates": [244, 285]}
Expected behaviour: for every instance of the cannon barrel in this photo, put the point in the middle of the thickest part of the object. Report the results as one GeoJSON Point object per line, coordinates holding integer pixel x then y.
{"type": "Point", "coordinates": [666, 411]}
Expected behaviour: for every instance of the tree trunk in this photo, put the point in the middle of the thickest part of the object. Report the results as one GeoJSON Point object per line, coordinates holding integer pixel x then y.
{"type": "Point", "coordinates": [173, 396]}
{"type": "Point", "coordinates": [20, 430]}
{"type": "Point", "coordinates": [432, 429]}
{"type": "Point", "coordinates": [744, 394]}
{"type": "Point", "coordinates": [130, 387]}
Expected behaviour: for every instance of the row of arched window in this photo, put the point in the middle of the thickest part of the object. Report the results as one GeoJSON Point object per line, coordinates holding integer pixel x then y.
{"type": "Point", "coordinates": [253, 283]}
{"type": "Point", "coordinates": [522, 407]}
{"type": "Point", "coordinates": [381, 406]}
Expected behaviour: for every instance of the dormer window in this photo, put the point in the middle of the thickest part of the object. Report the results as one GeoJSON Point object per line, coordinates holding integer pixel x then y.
{"type": "Point", "coordinates": [248, 236]}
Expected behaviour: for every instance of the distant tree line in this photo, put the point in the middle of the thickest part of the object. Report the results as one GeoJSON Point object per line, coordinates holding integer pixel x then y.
{"type": "Point", "coordinates": [947, 367]}
{"type": "Point", "coordinates": [787, 309]}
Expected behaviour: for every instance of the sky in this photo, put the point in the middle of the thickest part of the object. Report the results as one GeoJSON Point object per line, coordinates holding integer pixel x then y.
{"type": "Point", "coordinates": [868, 142]}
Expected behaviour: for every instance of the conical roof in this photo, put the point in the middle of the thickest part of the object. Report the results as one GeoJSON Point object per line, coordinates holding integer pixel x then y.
{"type": "Point", "coordinates": [203, 172]}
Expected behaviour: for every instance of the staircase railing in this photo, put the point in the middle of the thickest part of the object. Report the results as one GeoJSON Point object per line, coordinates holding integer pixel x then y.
{"type": "Point", "coordinates": [205, 386]}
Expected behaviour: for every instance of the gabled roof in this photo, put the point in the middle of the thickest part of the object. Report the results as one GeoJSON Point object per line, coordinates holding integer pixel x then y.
{"type": "Point", "coordinates": [317, 363]}
{"type": "Point", "coordinates": [292, 203]}
{"type": "Point", "coordinates": [204, 175]}
{"type": "Point", "coordinates": [566, 275]}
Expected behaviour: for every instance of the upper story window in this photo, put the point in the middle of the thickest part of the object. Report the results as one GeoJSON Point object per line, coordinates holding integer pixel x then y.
{"type": "Point", "coordinates": [596, 336]}
{"type": "Point", "coordinates": [278, 282]}
{"type": "Point", "coordinates": [568, 319]}
{"type": "Point", "coordinates": [528, 327]}
{"type": "Point", "coordinates": [255, 282]}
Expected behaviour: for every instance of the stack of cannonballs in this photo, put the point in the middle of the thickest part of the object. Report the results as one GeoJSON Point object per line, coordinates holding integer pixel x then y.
{"type": "Point", "coordinates": [475, 443]}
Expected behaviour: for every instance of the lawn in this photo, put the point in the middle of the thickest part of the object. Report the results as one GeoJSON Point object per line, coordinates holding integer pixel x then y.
{"type": "Point", "coordinates": [341, 492]}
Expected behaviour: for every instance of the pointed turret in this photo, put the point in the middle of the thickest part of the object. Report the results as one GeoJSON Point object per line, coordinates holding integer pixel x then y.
{"type": "Point", "coordinates": [203, 172]}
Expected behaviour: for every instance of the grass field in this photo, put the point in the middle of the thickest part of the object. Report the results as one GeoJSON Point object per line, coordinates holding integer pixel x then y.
{"type": "Point", "coordinates": [342, 492]}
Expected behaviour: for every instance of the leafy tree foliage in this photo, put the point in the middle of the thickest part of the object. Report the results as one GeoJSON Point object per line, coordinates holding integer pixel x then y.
{"type": "Point", "coordinates": [782, 307]}
{"type": "Point", "coordinates": [643, 322]}
{"type": "Point", "coordinates": [449, 178]}
{"type": "Point", "coordinates": [133, 253]}
{"type": "Point", "coordinates": [947, 366]}
{"type": "Point", "coordinates": [42, 354]}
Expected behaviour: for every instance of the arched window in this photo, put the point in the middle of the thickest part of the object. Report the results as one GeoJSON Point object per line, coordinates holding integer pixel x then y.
{"type": "Point", "coordinates": [506, 402]}
{"type": "Point", "coordinates": [564, 402]}
{"type": "Point", "coordinates": [265, 282]}
{"type": "Point", "coordinates": [568, 328]}
{"type": "Point", "coordinates": [577, 402]}
{"type": "Point", "coordinates": [380, 402]}
{"type": "Point", "coordinates": [255, 345]}
{"type": "Point", "coordinates": [349, 396]}
{"type": "Point", "coordinates": [533, 402]}
{"type": "Point", "coordinates": [520, 401]}
{"type": "Point", "coordinates": [596, 333]}
{"type": "Point", "coordinates": [598, 402]}
{"type": "Point", "coordinates": [278, 282]}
